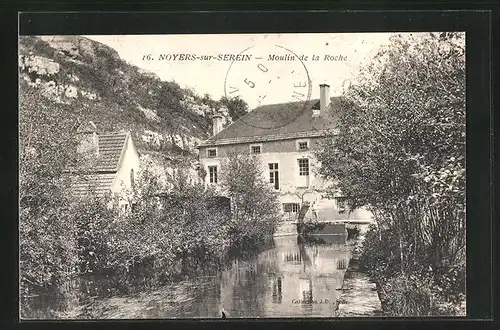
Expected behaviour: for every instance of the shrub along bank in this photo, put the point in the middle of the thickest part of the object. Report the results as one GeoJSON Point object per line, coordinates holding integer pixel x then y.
{"type": "Point", "coordinates": [400, 151]}
{"type": "Point", "coordinates": [169, 234]}
{"type": "Point", "coordinates": [411, 290]}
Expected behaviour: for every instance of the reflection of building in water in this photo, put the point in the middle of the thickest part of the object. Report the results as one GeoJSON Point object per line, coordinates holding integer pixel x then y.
{"type": "Point", "coordinates": [327, 261]}
{"type": "Point", "coordinates": [342, 264]}
{"type": "Point", "coordinates": [290, 261]}
{"type": "Point", "coordinates": [313, 258]}
{"type": "Point", "coordinates": [306, 290]}
{"type": "Point", "coordinates": [293, 257]}
{"type": "Point", "coordinates": [270, 254]}
{"type": "Point", "coordinates": [236, 266]}
{"type": "Point", "coordinates": [309, 254]}
{"type": "Point", "coordinates": [277, 289]}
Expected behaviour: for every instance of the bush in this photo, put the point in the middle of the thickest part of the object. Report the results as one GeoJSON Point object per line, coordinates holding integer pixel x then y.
{"type": "Point", "coordinates": [168, 233]}
{"type": "Point", "coordinates": [353, 233]}
{"type": "Point", "coordinates": [407, 296]}
{"type": "Point", "coordinates": [419, 290]}
{"type": "Point", "coordinates": [93, 220]}
{"type": "Point", "coordinates": [139, 254]}
{"type": "Point", "coordinates": [379, 257]}
{"type": "Point", "coordinates": [46, 245]}
{"type": "Point", "coordinates": [450, 283]}
{"type": "Point", "coordinates": [400, 151]}
{"type": "Point", "coordinates": [255, 205]}
{"type": "Point", "coordinates": [401, 294]}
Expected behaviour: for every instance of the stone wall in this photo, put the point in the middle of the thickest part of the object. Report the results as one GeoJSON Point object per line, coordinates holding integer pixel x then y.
{"type": "Point", "coordinates": [359, 296]}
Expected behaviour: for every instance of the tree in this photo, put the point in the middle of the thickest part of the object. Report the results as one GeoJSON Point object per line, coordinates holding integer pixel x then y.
{"type": "Point", "coordinates": [401, 146]}
{"type": "Point", "coordinates": [236, 107]}
{"type": "Point", "coordinates": [207, 99]}
{"type": "Point", "coordinates": [255, 205]}
{"type": "Point", "coordinates": [46, 148]}
{"type": "Point", "coordinates": [168, 99]}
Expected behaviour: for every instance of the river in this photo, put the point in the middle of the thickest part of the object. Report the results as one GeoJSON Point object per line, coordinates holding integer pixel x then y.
{"type": "Point", "coordinates": [291, 279]}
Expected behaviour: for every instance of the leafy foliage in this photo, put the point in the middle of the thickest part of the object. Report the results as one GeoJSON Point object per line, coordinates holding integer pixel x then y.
{"type": "Point", "coordinates": [427, 292]}
{"type": "Point", "coordinates": [408, 296]}
{"type": "Point", "coordinates": [401, 152]}
{"type": "Point", "coordinates": [93, 219]}
{"type": "Point", "coordinates": [255, 205]}
{"type": "Point", "coordinates": [46, 255]}
{"type": "Point", "coordinates": [174, 227]}
{"type": "Point", "coordinates": [236, 107]}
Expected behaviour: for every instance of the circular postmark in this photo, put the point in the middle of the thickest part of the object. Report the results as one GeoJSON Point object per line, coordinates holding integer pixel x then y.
{"type": "Point", "coordinates": [271, 78]}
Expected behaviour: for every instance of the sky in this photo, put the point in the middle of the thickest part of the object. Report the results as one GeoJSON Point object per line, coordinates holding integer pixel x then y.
{"type": "Point", "coordinates": [338, 59]}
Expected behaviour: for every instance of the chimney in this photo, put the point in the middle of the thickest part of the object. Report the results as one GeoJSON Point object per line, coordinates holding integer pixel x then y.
{"type": "Point", "coordinates": [217, 123]}
{"type": "Point", "coordinates": [88, 141]}
{"type": "Point", "coordinates": [324, 97]}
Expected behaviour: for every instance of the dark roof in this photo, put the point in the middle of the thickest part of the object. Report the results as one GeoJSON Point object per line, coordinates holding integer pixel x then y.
{"type": "Point", "coordinates": [111, 147]}
{"type": "Point", "coordinates": [100, 177]}
{"type": "Point", "coordinates": [98, 183]}
{"type": "Point", "coordinates": [280, 121]}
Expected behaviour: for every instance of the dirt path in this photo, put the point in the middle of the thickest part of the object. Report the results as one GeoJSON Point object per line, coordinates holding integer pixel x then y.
{"type": "Point", "coordinates": [359, 295]}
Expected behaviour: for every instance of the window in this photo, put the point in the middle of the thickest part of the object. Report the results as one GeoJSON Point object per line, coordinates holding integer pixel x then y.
{"type": "Point", "coordinates": [341, 203]}
{"type": "Point", "coordinates": [212, 153]}
{"type": "Point", "coordinates": [304, 167]}
{"type": "Point", "coordinates": [291, 207]}
{"type": "Point", "coordinates": [303, 145]}
{"type": "Point", "coordinates": [256, 149]}
{"type": "Point", "coordinates": [212, 173]}
{"type": "Point", "coordinates": [274, 175]}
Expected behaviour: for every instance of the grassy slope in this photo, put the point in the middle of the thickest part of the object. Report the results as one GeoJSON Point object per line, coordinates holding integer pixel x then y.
{"type": "Point", "coordinates": [121, 89]}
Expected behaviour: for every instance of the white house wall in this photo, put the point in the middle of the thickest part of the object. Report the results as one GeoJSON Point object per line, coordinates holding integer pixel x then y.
{"type": "Point", "coordinates": [285, 153]}
{"type": "Point", "coordinates": [130, 161]}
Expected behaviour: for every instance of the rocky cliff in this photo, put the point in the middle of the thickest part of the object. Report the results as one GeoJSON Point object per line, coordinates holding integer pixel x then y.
{"type": "Point", "coordinates": [167, 121]}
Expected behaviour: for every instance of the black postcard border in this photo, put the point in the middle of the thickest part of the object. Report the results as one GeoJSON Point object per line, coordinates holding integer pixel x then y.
{"type": "Point", "coordinates": [477, 25]}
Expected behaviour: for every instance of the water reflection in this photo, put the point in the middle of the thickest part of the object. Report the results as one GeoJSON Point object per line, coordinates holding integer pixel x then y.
{"type": "Point", "coordinates": [293, 278]}
{"type": "Point", "coordinates": [277, 289]}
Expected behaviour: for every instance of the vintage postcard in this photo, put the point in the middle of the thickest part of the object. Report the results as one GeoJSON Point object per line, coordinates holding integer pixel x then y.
{"type": "Point", "coordinates": [242, 175]}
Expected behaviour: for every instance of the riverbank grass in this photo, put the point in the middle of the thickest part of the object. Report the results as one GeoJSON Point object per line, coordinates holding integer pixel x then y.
{"type": "Point", "coordinates": [410, 291]}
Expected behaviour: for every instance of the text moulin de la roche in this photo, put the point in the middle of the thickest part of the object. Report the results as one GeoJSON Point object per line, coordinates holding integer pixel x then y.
{"type": "Point", "coordinates": [240, 57]}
